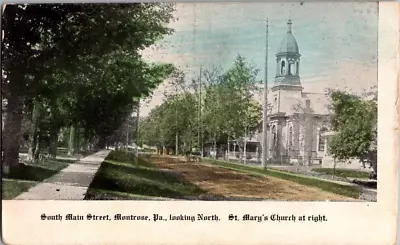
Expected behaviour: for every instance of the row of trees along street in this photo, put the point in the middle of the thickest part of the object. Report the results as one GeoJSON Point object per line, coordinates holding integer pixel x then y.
{"type": "Point", "coordinates": [76, 70]}
{"type": "Point", "coordinates": [211, 110]}
{"type": "Point", "coordinates": [229, 111]}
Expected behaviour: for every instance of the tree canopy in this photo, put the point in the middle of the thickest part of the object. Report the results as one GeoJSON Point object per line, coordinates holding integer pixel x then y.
{"type": "Point", "coordinates": [82, 61]}
{"type": "Point", "coordinates": [225, 109]}
{"type": "Point", "coordinates": [355, 123]}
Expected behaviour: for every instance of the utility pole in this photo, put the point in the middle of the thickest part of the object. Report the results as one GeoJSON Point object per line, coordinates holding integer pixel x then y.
{"type": "Point", "coordinates": [200, 133]}
{"type": "Point", "coordinates": [265, 105]}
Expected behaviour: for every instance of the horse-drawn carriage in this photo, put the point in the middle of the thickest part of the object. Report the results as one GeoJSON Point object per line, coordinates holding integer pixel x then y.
{"type": "Point", "coordinates": [193, 156]}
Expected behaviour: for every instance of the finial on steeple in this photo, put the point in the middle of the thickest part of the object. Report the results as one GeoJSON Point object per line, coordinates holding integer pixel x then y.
{"type": "Point", "coordinates": [289, 26]}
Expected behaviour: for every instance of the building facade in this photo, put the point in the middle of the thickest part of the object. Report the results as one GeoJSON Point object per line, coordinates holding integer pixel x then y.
{"type": "Point", "coordinates": [297, 120]}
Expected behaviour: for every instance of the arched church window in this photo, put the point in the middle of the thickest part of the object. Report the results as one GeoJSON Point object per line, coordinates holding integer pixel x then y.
{"type": "Point", "coordinates": [283, 70]}
{"type": "Point", "coordinates": [321, 139]}
{"type": "Point", "coordinates": [290, 136]}
{"type": "Point", "coordinates": [290, 67]}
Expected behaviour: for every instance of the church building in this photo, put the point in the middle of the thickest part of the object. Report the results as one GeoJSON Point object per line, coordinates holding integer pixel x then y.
{"type": "Point", "coordinates": [297, 120]}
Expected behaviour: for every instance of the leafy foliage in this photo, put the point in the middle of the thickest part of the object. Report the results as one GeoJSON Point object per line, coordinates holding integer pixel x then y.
{"type": "Point", "coordinates": [82, 61]}
{"type": "Point", "coordinates": [41, 37]}
{"type": "Point", "coordinates": [355, 121]}
{"type": "Point", "coordinates": [176, 116]}
{"type": "Point", "coordinates": [227, 109]}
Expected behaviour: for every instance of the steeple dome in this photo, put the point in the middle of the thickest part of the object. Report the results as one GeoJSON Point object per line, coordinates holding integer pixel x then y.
{"type": "Point", "coordinates": [289, 44]}
{"type": "Point", "coordinates": [288, 62]}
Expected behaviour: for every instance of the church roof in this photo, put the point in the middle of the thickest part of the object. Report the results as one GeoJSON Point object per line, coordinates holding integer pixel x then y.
{"type": "Point", "coordinates": [289, 43]}
{"type": "Point", "coordinates": [296, 104]}
{"type": "Point", "coordinates": [319, 102]}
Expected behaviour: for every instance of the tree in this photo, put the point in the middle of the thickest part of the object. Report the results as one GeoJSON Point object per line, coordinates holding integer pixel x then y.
{"type": "Point", "coordinates": [172, 124]}
{"type": "Point", "coordinates": [178, 86]}
{"type": "Point", "coordinates": [355, 123]}
{"type": "Point", "coordinates": [42, 38]}
{"type": "Point", "coordinates": [237, 88]}
{"type": "Point", "coordinates": [227, 106]}
{"type": "Point", "coordinates": [251, 121]}
{"type": "Point", "coordinates": [212, 116]}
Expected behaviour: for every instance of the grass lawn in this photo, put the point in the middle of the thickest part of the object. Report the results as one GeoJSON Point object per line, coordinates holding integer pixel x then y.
{"type": "Point", "coordinates": [343, 190]}
{"type": "Point", "coordinates": [124, 176]}
{"type": "Point", "coordinates": [14, 187]}
{"type": "Point", "coordinates": [28, 175]}
{"type": "Point", "coordinates": [345, 173]}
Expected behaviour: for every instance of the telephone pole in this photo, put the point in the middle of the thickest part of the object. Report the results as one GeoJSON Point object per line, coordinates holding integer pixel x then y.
{"type": "Point", "coordinates": [265, 106]}
{"type": "Point", "coordinates": [200, 135]}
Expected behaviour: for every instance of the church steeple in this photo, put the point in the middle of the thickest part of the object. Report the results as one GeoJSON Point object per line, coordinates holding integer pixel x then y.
{"type": "Point", "coordinates": [288, 60]}
{"type": "Point", "coordinates": [289, 23]}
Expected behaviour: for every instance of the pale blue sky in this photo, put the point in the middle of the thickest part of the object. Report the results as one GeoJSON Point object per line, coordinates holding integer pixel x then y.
{"type": "Point", "coordinates": [337, 41]}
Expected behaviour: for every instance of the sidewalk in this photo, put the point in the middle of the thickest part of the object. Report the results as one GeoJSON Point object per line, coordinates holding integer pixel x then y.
{"type": "Point", "coordinates": [71, 183]}
{"type": "Point", "coordinates": [368, 194]}
{"type": "Point", "coordinates": [307, 170]}
{"type": "Point", "coordinates": [308, 174]}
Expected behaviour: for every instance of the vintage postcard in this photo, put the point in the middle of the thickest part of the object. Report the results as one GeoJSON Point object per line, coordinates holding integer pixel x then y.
{"type": "Point", "coordinates": [200, 123]}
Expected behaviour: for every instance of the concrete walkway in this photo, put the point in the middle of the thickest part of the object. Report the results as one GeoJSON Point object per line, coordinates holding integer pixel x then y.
{"type": "Point", "coordinates": [71, 183]}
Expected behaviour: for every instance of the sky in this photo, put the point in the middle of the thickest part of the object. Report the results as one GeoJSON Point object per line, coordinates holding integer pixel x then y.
{"type": "Point", "coordinates": [337, 41]}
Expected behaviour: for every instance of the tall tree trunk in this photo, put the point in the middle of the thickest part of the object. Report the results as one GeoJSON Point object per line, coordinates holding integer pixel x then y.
{"type": "Point", "coordinates": [245, 152]}
{"type": "Point", "coordinates": [78, 138]}
{"type": "Point", "coordinates": [53, 141]}
{"type": "Point", "coordinates": [12, 133]}
{"type": "Point", "coordinates": [240, 154]}
{"type": "Point", "coordinates": [215, 146]}
{"type": "Point", "coordinates": [245, 146]}
{"type": "Point", "coordinates": [116, 145]}
{"type": "Point", "coordinates": [32, 146]}
{"type": "Point", "coordinates": [101, 143]}
{"type": "Point", "coordinates": [36, 153]}
{"type": "Point", "coordinates": [72, 141]}
{"type": "Point", "coordinates": [34, 132]}
{"type": "Point", "coordinates": [227, 150]}
{"type": "Point", "coordinates": [185, 147]}
{"type": "Point", "coordinates": [176, 144]}
{"type": "Point", "coordinates": [334, 168]}
{"type": "Point", "coordinates": [88, 143]}
{"type": "Point", "coordinates": [374, 164]}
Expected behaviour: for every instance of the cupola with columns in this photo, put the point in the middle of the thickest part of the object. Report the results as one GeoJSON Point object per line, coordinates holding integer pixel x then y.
{"type": "Point", "coordinates": [288, 62]}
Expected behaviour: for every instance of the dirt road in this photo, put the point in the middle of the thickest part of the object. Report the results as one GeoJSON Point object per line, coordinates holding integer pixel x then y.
{"type": "Point", "coordinates": [229, 183]}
